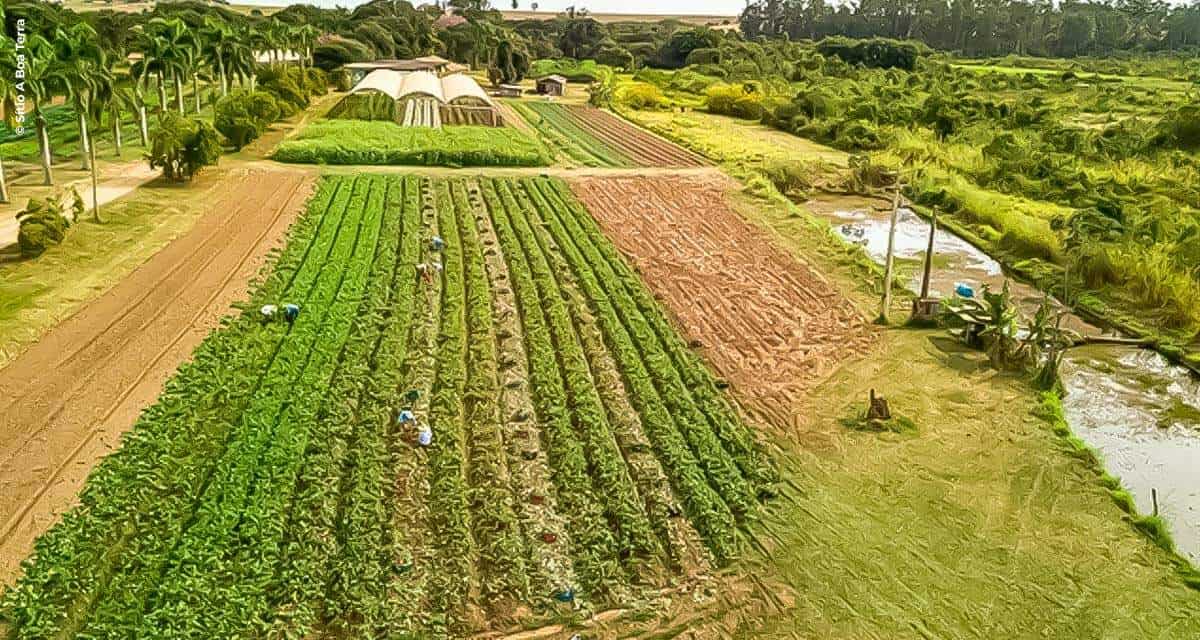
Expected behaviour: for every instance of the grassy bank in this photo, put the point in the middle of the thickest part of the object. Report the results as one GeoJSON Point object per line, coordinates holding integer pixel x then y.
{"type": "Point", "coordinates": [383, 143]}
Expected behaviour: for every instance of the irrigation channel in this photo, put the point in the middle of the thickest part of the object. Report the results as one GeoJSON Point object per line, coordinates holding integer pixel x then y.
{"type": "Point", "coordinates": [1139, 411]}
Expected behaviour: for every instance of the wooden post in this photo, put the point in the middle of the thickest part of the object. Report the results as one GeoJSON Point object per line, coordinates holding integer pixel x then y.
{"type": "Point", "coordinates": [887, 272]}
{"type": "Point", "coordinates": [1154, 499]}
{"type": "Point", "coordinates": [928, 257]}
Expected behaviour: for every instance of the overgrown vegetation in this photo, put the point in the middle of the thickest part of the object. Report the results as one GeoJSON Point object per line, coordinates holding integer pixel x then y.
{"type": "Point", "coordinates": [182, 146]}
{"type": "Point", "coordinates": [43, 223]}
{"type": "Point", "coordinates": [362, 142]}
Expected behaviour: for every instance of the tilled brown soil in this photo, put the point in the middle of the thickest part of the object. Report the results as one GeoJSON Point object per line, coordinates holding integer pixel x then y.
{"type": "Point", "coordinates": [65, 402]}
{"type": "Point", "coordinates": [772, 326]}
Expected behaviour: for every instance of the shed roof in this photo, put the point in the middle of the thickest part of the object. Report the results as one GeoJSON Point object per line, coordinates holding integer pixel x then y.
{"type": "Point", "coordinates": [553, 78]}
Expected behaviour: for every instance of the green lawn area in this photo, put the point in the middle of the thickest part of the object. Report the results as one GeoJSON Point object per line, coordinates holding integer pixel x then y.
{"type": "Point", "coordinates": [386, 143]}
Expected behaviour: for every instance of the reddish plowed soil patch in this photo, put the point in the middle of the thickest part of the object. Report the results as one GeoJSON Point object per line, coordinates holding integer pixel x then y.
{"type": "Point", "coordinates": [771, 325]}
{"type": "Point", "coordinates": [644, 147]}
{"type": "Point", "coordinates": [67, 399]}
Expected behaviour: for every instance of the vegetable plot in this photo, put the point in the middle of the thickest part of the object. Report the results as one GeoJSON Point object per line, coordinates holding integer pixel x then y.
{"type": "Point", "coordinates": [596, 138]}
{"type": "Point", "coordinates": [581, 454]}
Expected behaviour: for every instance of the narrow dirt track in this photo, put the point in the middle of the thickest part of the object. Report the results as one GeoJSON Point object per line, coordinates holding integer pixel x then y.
{"type": "Point", "coordinates": [772, 326]}
{"type": "Point", "coordinates": [67, 399]}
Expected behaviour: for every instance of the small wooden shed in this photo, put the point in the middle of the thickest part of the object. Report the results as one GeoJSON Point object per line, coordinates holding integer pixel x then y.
{"type": "Point", "coordinates": [553, 85]}
{"type": "Point", "coordinates": [509, 91]}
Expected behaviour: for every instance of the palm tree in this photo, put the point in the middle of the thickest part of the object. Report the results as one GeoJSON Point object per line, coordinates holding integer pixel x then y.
{"type": "Point", "coordinates": [216, 38]}
{"type": "Point", "coordinates": [79, 68]}
{"type": "Point", "coordinates": [173, 50]}
{"type": "Point", "coordinates": [306, 36]}
{"type": "Point", "coordinates": [139, 72]}
{"type": "Point", "coordinates": [39, 60]}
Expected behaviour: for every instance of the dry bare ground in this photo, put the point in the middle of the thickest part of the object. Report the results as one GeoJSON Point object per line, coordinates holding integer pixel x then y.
{"type": "Point", "coordinates": [67, 399]}
{"type": "Point", "coordinates": [772, 326]}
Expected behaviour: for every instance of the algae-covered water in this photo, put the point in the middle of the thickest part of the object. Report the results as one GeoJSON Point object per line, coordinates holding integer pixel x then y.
{"type": "Point", "coordinates": [1139, 411]}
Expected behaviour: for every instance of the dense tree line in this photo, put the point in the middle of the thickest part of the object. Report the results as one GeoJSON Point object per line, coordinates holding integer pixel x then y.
{"type": "Point", "coordinates": [987, 27]}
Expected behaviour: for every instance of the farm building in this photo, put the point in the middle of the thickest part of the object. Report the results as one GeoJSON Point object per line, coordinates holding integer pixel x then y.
{"type": "Point", "coordinates": [553, 85]}
{"type": "Point", "coordinates": [509, 91]}
{"type": "Point", "coordinates": [419, 98]}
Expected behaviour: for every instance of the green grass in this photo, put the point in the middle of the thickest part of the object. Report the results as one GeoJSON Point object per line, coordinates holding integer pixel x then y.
{"type": "Point", "coordinates": [386, 143]}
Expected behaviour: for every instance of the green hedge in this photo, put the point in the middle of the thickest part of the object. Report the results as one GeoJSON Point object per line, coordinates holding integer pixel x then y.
{"type": "Point", "coordinates": [361, 142]}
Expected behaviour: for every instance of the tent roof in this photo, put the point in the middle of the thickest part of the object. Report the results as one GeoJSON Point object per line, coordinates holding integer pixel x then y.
{"type": "Point", "coordinates": [401, 85]}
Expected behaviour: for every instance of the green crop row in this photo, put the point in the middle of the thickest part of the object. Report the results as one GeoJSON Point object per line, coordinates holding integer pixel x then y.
{"type": "Point", "coordinates": [555, 124]}
{"type": "Point", "coordinates": [703, 476]}
{"type": "Point", "coordinates": [594, 548]}
{"type": "Point", "coordinates": [387, 143]}
{"type": "Point", "coordinates": [734, 437]}
{"type": "Point", "coordinates": [504, 580]}
{"type": "Point", "coordinates": [610, 477]}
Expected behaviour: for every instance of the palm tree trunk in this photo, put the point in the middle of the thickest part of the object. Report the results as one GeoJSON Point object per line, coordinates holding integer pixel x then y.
{"type": "Point", "coordinates": [196, 89]}
{"type": "Point", "coordinates": [44, 144]}
{"type": "Point", "coordinates": [142, 128]}
{"type": "Point", "coordinates": [178, 91]}
{"type": "Point", "coordinates": [116, 129]}
{"type": "Point", "coordinates": [95, 191]}
{"type": "Point", "coordinates": [85, 144]}
{"type": "Point", "coordinates": [221, 71]}
{"type": "Point", "coordinates": [3, 184]}
{"type": "Point", "coordinates": [162, 92]}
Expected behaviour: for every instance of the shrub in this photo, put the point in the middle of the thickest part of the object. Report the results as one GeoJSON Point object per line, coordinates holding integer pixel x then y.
{"type": "Point", "coordinates": [342, 80]}
{"type": "Point", "coordinates": [791, 178]}
{"type": "Point", "coordinates": [615, 56]}
{"type": "Point", "coordinates": [881, 53]}
{"type": "Point", "coordinates": [704, 56]}
{"type": "Point", "coordinates": [42, 225]}
{"type": "Point", "coordinates": [182, 146]}
{"type": "Point", "coordinates": [741, 100]}
{"type": "Point", "coordinates": [640, 95]}
{"type": "Point", "coordinates": [243, 116]}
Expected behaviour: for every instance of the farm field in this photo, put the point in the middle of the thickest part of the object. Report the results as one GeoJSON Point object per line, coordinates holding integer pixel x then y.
{"type": "Point", "coordinates": [578, 443]}
{"type": "Point", "coordinates": [595, 138]}
{"type": "Point", "coordinates": [384, 143]}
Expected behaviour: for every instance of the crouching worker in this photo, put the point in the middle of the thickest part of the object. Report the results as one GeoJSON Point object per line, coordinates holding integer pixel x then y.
{"type": "Point", "coordinates": [291, 312]}
{"type": "Point", "coordinates": [267, 313]}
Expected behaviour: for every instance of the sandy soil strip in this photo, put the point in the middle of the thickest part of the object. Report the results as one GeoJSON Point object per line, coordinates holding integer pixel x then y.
{"type": "Point", "coordinates": [772, 326]}
{"type": "Point", "coordinates": [67, 399]}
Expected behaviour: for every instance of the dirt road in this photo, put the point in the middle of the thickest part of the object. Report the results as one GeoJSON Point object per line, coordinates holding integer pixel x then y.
{"type": "Point", "coordinates": [67, 399]}
{"type": "Point", "coordinates": [771, 325]}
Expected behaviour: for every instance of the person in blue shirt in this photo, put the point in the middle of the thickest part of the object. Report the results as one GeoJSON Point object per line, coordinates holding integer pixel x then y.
{"type": "Point", "coordinates": [291, 312]}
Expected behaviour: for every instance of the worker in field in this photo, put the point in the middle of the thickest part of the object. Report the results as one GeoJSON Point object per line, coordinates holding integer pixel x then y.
{"type": "Point", "coordinates": [291, 312]}
{"type": "Point", "coordinates": [267, 313]}
{"type": "Point", "coordinates": [425, 435]}
{"type": "Point", "coordinates": [405, 418]}
{"type": "Point", "coordinates": [436, 244]}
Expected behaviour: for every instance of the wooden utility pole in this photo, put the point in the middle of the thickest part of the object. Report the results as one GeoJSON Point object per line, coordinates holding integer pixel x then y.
{"type": "Point", "coordinates": [887, 271]}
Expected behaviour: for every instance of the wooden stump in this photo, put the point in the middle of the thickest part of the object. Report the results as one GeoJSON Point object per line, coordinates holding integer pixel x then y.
{"type": "Point", "coordinates": [877, 409]}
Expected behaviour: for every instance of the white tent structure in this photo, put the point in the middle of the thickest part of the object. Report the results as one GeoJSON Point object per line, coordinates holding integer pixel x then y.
{"type": "Point", "coordinates": [424, 99]}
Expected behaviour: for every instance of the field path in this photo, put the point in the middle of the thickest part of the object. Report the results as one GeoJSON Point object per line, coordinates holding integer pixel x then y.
{"type": "Point", "coordinates": [772, 326]}
{"type": "Point", "coordinates": [67, 399]}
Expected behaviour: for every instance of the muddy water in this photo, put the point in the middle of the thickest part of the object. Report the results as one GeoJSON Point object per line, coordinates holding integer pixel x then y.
{"type": "Point", "coordinates": [1139, 411]}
